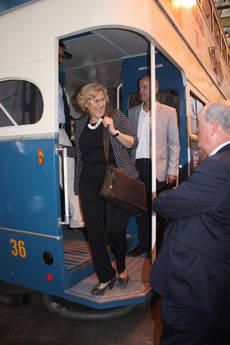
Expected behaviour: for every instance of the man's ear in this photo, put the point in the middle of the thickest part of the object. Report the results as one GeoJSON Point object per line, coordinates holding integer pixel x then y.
{"type": "Point", "coordinates": [213, 126]}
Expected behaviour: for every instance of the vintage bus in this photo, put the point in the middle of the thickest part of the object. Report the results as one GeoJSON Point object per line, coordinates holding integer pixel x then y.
{"type": "Point", "coordinates": [114, 43]}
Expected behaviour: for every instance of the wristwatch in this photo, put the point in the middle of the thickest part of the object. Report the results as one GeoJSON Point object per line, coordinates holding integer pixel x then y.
{"type": "Point", "coordinates": [116, 135]}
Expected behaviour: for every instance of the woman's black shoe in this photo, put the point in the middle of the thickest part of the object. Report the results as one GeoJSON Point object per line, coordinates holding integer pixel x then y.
{"type": "Point", "coordinates": [123, 281]}
{"type": "Point", "coordinates": [99, 292]}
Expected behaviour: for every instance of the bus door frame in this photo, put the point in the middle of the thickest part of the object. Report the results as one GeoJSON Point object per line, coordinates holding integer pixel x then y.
{"type": "Point", "coordinates": [153, 140]}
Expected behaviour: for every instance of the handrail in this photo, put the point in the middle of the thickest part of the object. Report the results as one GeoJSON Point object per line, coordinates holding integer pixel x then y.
{"type": "Point", "coordinates": [65, 185]}
{"type": "Point", "coordinates": [8, 115]}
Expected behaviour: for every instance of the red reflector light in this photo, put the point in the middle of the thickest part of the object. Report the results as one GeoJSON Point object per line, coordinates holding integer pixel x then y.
{"type": "Point", "coordinates": [49, 276]}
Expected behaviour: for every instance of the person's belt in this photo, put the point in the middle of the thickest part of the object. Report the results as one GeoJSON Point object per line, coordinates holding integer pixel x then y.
{"type": "Point", "coordinates": [61, 125]}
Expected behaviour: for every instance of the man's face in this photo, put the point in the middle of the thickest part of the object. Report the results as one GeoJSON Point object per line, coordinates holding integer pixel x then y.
{"type": "Point", "coordinates": [203, 132]}
{"type": "Point", "coordinates": [144, 89]}
{"type": "Point", "coordinates": [60, 55]}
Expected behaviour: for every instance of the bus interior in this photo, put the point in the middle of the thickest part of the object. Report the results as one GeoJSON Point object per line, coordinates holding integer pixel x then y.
{"type": "Point", "coordinates": [117, 59]}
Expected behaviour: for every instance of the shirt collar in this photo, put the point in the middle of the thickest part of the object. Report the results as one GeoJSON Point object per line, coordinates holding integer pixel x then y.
{"type": "Point", "coordinates": [142, 109]}
{"type": "Point", "coordinates": [216, 149]}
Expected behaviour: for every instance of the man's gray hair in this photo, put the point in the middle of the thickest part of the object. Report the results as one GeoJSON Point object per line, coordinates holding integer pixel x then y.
{"type": "Point", "coordinates": [219, 111]}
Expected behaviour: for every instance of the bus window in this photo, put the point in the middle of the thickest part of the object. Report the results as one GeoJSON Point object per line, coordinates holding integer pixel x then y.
{"type": "Point", "coordinates": [21, 103]}
{"type": "Point", "coordinates": [195, 107]}
{"type": "Point", "coordinates": [134, 100]}
{"type": "Point", "coordinates": [197, 155]}
{"type": "Point", "coordinates": [216, 31]}
{"type": "Point", "coordinates": [223, 49]}
{"type": "Point", "coordinates": [207, 8]}
{"type": "Point", "coordinates": [170, 98]}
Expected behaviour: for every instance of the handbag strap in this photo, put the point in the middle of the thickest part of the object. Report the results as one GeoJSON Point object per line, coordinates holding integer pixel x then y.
{"type": "Point", "coordinates": [106, 138]}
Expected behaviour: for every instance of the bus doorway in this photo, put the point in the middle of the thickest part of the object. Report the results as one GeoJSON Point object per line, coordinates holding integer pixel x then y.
{"type": "Point", "coordinates": [117, 59]}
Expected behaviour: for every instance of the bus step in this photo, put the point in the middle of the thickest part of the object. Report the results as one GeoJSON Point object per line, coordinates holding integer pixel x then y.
{"type": "Point", "coordinates": [137, 290]}
{"type": "Point", "coordinates": [76, 249]}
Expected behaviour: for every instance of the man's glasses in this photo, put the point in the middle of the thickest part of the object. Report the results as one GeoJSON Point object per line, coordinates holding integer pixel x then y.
{"type": "Point", "coordinates": [97, 101]}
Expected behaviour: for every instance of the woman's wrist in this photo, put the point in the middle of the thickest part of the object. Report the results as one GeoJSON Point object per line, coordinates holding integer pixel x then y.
{"type": "Point", "coordinates": [116, 133]}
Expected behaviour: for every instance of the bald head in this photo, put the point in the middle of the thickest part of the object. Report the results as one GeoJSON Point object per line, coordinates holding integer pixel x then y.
{"type": "Point", "coordinates": [220, 112]}
{"type": "Point", "coordinates": [145, 90]}
{"type": "Point", "coordinates": [214, 125]}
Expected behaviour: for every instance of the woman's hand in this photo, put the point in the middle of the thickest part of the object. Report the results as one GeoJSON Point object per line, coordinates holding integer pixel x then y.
{"type": "Point", "coordinates": [125, 139]}
{"type": "Point", "coordinates": [108, 122]}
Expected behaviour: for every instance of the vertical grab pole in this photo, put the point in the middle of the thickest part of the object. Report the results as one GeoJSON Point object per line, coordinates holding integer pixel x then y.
{"type": "Point", "coordinates": [65, 184]}
{"type": "Point", "coordinates": [153, 140]}
{"type": "Point", "coordinates": [118, 96]}
{"type": "Point", "coordinates": [66, 192]}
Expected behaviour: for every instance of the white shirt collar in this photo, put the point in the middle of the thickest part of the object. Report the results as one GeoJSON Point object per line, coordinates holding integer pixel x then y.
{"type": "Point", "coordinates": [142, 107]}
{"type": "Point", "coordinates": [216, 149]}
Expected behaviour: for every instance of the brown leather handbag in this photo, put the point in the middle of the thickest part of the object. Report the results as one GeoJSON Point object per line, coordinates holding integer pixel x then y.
{"type": "Point", "coordinates": [118, 188]}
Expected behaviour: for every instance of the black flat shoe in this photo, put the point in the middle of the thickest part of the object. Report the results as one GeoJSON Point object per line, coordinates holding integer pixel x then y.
{"type": "Point", "coordinates": [99, 292]}
{"type": "Point", "coordinates": [123, 281]}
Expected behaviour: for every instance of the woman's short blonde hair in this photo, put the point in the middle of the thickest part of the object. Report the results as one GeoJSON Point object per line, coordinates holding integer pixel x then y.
{"type": "Point", "coordinates": [87, 92]}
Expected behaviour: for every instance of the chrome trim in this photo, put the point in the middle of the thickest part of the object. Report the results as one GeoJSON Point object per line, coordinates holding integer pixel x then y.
{"type": "Point", "coordinates": [29, 137]}
{"type": "Point", "coordinates": [51, 237]}
{"type": "Point", "coordinates": [65, 185]}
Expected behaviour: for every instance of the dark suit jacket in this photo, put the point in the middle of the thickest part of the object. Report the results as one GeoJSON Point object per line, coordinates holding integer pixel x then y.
{"type": "Point", "coordinates": [193, 266]}
{"type": "Point", "coordinates": [67, 115]}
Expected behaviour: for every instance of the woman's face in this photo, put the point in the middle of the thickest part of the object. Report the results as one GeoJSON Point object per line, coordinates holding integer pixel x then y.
{"type": "Point", "coordinates": [96, 106]}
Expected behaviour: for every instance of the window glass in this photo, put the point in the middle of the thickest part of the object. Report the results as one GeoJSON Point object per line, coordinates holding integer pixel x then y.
{"type": "Point", "coordinates": [197, 155]}
{"type": "Point", "coordinates": [134, 100]}
{"type": "Point", "coordinates": [21, 103]}
{"type": "Point", "coordinates": [216, 31]}
{"type": "Point", "coordinates": [224, 50]}
{"type": "Point", "coordinates": [195, 107]}
{"type": "Point", "coordinates": [207, 11]}
{"type": "Point", "coordinates": [170, 98]}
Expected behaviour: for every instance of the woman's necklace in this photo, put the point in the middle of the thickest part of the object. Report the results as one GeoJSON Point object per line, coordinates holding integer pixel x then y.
{"type": "Point", "coordinates": [93, 127]}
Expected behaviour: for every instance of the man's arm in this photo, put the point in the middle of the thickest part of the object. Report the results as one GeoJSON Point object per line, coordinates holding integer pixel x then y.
{"type": "Point", "coordinates": [204, 191]}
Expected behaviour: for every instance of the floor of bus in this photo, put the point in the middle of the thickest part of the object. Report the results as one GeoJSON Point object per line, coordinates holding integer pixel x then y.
{"type": "Point", "coordinates": [76, 248]}
{"type": "Point", "coordinates": [77, 255]}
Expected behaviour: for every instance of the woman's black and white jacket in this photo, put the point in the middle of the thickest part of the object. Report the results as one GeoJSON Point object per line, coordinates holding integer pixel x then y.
{"type": "Point", "coordinates": [122, 155]}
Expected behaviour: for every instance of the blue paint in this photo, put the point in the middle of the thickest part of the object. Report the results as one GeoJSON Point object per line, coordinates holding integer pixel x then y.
{"type": "Point", "coordinates": [30, 203]}
{"type": "Point", "coordinates": [29, 200]}
{"type": "Point", "coordinates": [7, 5]}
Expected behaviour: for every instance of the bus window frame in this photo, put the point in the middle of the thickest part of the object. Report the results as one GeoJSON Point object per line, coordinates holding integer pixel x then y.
{"type": "Point", "coordinates": [222, 38]}
{"type": "Point", "coordinates": [192, 93]}
{"type": "Point", "coordinates": [11, 118]}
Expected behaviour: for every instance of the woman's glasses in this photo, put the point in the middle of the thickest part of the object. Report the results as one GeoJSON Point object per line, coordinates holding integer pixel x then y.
{"type": "Point", "coordinates": [97, 101]}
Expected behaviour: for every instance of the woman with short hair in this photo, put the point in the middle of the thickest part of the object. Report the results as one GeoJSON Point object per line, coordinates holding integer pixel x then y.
{"type": "Point", "coordinates": [100, 216]}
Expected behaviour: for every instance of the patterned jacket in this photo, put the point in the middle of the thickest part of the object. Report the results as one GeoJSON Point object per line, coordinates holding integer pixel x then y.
{"type": "Point", "coordinates": [121, 153]}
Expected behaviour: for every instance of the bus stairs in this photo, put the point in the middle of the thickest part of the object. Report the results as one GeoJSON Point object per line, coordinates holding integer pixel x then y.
{"type": "Point", "coordinates": [77, 258]}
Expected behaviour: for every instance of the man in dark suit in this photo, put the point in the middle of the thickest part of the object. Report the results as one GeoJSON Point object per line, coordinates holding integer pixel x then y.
{"type": "Point", "coordinates": [192, 270]}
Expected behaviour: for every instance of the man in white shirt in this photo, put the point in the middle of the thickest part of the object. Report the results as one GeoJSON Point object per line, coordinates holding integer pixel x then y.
{"type": "Point", "coordinates": [167, 154]}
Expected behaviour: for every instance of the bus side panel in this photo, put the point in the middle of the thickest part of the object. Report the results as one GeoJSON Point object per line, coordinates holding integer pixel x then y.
{"type": "Point", "coordinates": [29, 211]}
{"type": "Point", "coordinates": [23, 258]}
{"type": "Point", "coordinates": [29, 198]}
